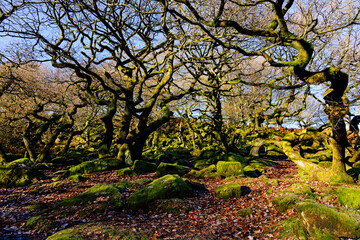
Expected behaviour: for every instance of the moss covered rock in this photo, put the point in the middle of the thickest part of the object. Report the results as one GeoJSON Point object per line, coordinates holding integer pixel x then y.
{"type": "Point", "coordinates": [168, 186]}
{"type": "Point", "coordinates": [95, 166]}
{"type": "Point", "coordinates": [349, 197]}
{"type": "Point", "coordinates": [126, 172]}
{"type": "Point", "coordinates": [244, 212]}
{"type": "Point", "coordinates": [250, 171]}
{"type": "Point", "coordinates": [77, 178]}
{"type": "Point", "coordinates": [98, 198]}
{"type": "Point", "coordinates": [301, 188]}
{"type": "Point", "coordinates": [284, 202]}
{"type": "Point", "coordinates": [230, 190]}
{"type": "Point", "coordinates": [234, 157]}
{"type": "Point", "coordinates": [168, 168]}
{"type": "Point", "coordinates": [291, 228]}
{"type": "Point", "coordinates": [99, 231]}
{"type": "Point", "coordinates": [144, 167]}
{"type": "Point", "coordinates": [37, 223]}
{"type": "Point", "coordinates": [229, 169]}
{"type": "Point", "coordinates": [209, 172]}
{"type": "Point", "coordinates": [322, 222]}
{"type": "Point", "coordinates": [20, 172]}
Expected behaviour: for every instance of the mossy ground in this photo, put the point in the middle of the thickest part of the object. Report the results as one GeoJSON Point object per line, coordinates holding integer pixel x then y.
{"type": "Point", "coordinates": [99, 231]}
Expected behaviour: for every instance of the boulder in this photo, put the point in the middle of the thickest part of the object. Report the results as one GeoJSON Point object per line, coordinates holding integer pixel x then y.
{"type": "Point", "coordinates": [126, 172]}
{"type": "Point", "coordinates": [144, 167]}
{"type": "Point", "coordinates": [20, 172]}
{"type": "Point", "coordinates": [229, 169]}
{"type": "Point", "coordinates": [209, 172]}
{"type": "Point", "coordinates": [322, 222]}
{"type": "Point", "coordinates": [301, 188]}
{"type": "Point", "coordinates": [106, 196]}
{"type": "Point", "coordinates": [349, 197]}
{"type": "Point", "coordinates": [230, 190]}
{"type": "Point", "coordinates": [166, 187]}
{"type": "Point", "coordinates": [284, 202]}
{"type": "Point", "coordinates": [168, 168]}
{"type": "Point", "coordinates": [96, 165]}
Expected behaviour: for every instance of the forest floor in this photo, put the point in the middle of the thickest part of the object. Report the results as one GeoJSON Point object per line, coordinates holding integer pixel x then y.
{"type": "Point", "coordinates": [209, 217]}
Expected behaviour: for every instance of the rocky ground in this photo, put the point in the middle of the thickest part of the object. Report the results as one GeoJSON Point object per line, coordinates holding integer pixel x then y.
{"type": "Point", "coordinates": [251, 216]}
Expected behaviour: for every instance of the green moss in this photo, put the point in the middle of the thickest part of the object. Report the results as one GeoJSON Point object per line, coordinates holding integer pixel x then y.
{"type": "Point", "coordinates": [37, 223]}
{"type": "Point", "coordinates": [92, 231]}
{"type": "Point", "coordinates": [323, 222]}
{"type": "Point", "coordinates": [95, 166]}
{"type": "Point", "coordinates": [172, 206]}
{"type": "Point", "coordinates": [349, 197]}
{"type": "Point", "coordinates": [144, 167]}
{"type": "Point", "coordinates": [209, 172]}
{"type": "Point", "coordinates": [38, 206]}
{"type": "Point", "coordinates": [126, 172]}
{"type": "Point", "coordinates": [168, 186]}
{"type": "Point", "coordinates": [284, 203]}
{"type": "Point", "coordinates": [291, 228]}
{"type": "Point", "coordinates": [114, 199]}
{"type": "Point", "coordinates": [228, 169]}
{"type": "Point", "coordinates": [301, 188]}
{"type": "Point", "coordinates": [20, 172]}
{"type": "Point", "coordinates": [103, 151]}
{"type": "Point", "coordinates": [244, 212]}
{"type": "Point", "coordinates": [76, 178]}
{"type": "Point", "coordinates": [168, 168]}
{"type": "Point", "coordinates": [230, 190]}
{"type": "Point", "coordinates": [233, 157]}
{"type": "Point", "coordinates": [250, 171]}
{"type": "Point", "coordinates": [124, 185]}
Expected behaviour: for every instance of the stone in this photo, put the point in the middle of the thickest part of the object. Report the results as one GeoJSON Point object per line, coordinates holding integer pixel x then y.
{"type": "Point", "coordinates": [126, 172]}
{"type": "Point", "coordinates": [349, 197]}
{"type": "Point", "coordinates": [144, 167]}
{"type": "Point", "coordinates": [229, 169]}
{"type": "Point", "coordinates": [20, 172]}
{"type": "Point", "coordinates": [166, 187]}
{"type": "Point", "coordinates": [230, 190]}
{"type": "Point", "coordinates": [284, 202]}
{"type": "Point", "coordinates": [169, 168]}
{"type": "Point", "coordinates": [322, 222]}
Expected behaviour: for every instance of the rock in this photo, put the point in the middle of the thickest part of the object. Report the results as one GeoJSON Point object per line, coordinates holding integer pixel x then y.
{"type": "Point", "coordinates": [209, 172]}
{"type": "Point", "coordinates": [77, 178]}
{"type": "Point", "coordinates": [168, 168]}
{"type": "Point", "coordinates": [111, 196]}
{"type": "Point", "coordinates": [233, 157]}
{"type": "Point", "coordinates": [284, 202]}
{"type": "Point", "coordinates": [244, 212]}
{"type": "Point", "coordinates": [20, 172]}
{"type": "Point", "coordinates": [125, 185]}
{"type": "Point", "coordinates": [144, 167]}
{"type": "Point", "coordinates": [230, 190]}
{"type": "Point", "coordinates": [229, 169]}
{"type": "Point", "coordinates": [301, 188]}
{"type": "Point", "coordinates": [166, 187]}
{"type": "Point", "coordinates": [126, 172]}
{"type": "Point", "coordinates": [250, 171]}
{"type": "Point", "coordinates": [349, 197]}
{"type": "Point", "coordinates": [37, 223]}
{"type": "Point", "coordinates": [322, 222]}
{"type": "Point", "coordinates": [96, 166]}
{"type": "Point", "coordinates": [291, 228]}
